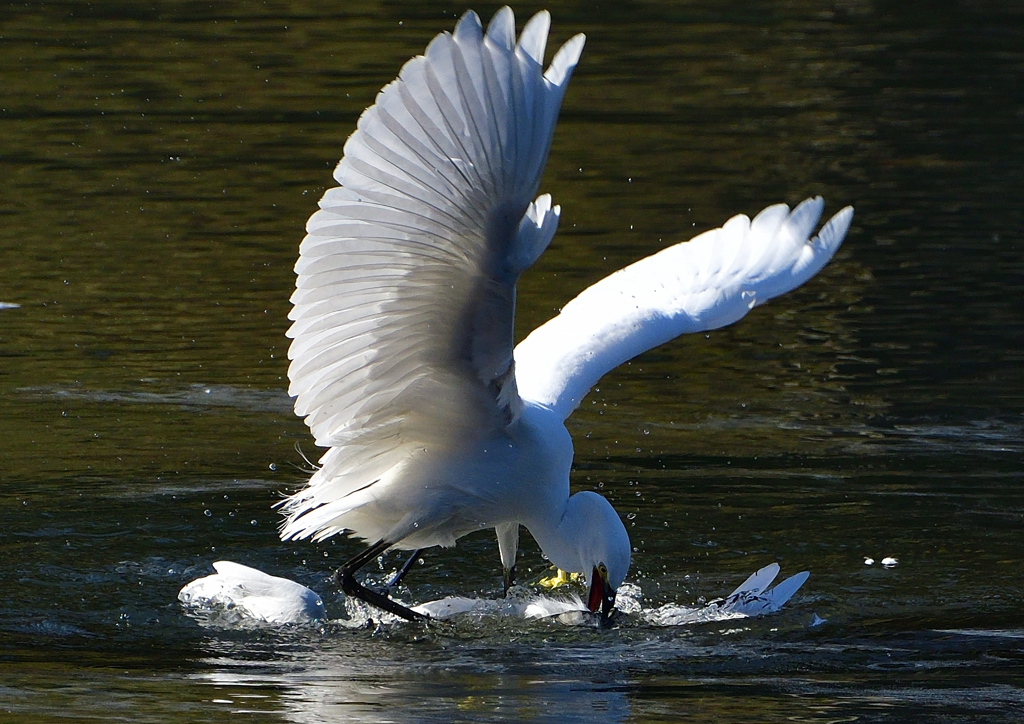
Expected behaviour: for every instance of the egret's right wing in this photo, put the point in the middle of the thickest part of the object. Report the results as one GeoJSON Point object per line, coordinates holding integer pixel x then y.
{"type": "Point", "coordinates": [403, 308]}
{"type": "Point", "coordinates": [406, 279]}
{"type": "Point", "coordinates": [708, 282]}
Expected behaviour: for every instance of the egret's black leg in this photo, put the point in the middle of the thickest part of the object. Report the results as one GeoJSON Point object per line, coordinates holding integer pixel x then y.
{"type": "Point", "coordinates": [400, 574]}
{"type": "Point", "coordinates": [346, 577]}
{"type": "Point", "coordinates": [509, 576]}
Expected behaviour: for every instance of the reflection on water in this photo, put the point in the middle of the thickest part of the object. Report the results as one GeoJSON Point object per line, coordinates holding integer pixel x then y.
{"type": "Point", "coordinates": [194, 396]}
{"type": "Point", "coordinates": [159, 162]}
{"type": "Point", "coordinates": [340, 686]}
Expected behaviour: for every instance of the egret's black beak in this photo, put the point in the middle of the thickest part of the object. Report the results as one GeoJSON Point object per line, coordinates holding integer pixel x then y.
{"type": "Point", "coordinates": [602, 595]}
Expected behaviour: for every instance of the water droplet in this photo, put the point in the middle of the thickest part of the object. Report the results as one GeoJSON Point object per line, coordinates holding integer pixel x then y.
{"type": "Point", "coordinates": [252, 522]}
{"type": "Point", "coordinates": [273, 466]}
{"type": "Point", "coordinates": [207, 513]}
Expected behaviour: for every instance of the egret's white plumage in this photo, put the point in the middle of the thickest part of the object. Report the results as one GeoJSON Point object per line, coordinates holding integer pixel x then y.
{"type": "Point", "coordinates": [402, 353]}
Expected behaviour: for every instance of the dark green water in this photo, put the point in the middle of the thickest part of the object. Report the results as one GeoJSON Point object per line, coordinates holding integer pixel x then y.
{"type": "Point", "coordinates": [158, 162]}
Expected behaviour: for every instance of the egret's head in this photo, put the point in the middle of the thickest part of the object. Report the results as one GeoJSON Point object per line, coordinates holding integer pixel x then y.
{"type": "Point", "coordinates": [603, 549]}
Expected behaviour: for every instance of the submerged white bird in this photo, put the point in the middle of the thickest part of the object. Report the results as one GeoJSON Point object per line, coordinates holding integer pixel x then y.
{"type": "Point", "coordinates": [402, 358]}
{"type": "Point", "coordinates": [254, 595]}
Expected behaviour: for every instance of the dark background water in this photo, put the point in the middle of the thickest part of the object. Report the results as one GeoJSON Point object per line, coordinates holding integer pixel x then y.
{"type": "Point", "coordinates": [158, 162]}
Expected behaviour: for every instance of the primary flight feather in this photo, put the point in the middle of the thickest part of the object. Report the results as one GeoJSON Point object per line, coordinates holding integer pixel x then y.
{"type": "Point", "coordinates": [403, 360]}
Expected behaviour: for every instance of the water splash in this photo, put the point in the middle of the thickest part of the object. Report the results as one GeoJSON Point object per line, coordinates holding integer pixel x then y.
{"type": "Point", "coordinates": [239, 596]}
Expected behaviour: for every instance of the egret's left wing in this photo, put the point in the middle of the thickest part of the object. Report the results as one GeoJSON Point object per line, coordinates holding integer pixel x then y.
{"type": "Point", "coordinates": [708, 282]}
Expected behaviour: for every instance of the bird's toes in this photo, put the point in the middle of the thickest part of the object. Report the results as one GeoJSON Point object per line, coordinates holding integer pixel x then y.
{"type": "Point", "coordinates": [561, 578]}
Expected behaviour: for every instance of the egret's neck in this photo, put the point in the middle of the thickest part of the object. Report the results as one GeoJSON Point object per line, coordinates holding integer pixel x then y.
{"type": "Point", "coordinates": [577, 533]}
{"type": "Point", "coordinates": [546, 458]}
{"type": "Point", "coordinates": [574, 540]}
{"type": "Point", "coordinates": [557, 536]}
{"type": "Point", "coordinates": [587, 533]}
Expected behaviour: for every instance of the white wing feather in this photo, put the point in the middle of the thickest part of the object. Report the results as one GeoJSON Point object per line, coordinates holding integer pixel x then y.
{"type": "Point", "coordinates": [403, 309]}
{"type": "Point", "coordinates": [706, 283]}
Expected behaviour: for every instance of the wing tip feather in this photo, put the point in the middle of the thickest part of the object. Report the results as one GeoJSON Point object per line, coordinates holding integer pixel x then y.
{"type": "Point", "coordinates": [565, 60]}
{"type": "Point", "coordinates": [834, 231]}
{"type": "Point", "coordinates": [534, 38]}
{"type": "Point", "coordinates": [502, 28]}
{"type": "Point", "coordinates": [469, 26]}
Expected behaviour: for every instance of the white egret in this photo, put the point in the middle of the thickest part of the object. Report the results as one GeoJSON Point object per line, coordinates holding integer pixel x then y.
{"type": "Point", "coordinates": [402, 359]}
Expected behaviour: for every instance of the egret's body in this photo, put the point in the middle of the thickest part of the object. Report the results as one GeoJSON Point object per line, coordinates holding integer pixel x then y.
{"type": "Point", "coordinates": [403, 361]}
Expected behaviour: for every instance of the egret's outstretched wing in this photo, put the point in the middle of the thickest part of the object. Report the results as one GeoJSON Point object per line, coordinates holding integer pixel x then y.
{"type": "Point", "coordinates": [404, 302]}
{"type": "Point", "coordinates": [706, 283]}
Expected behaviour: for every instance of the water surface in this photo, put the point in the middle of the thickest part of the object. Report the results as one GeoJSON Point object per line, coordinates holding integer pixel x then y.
{"type": "Point", "coordinates": [158, 163]}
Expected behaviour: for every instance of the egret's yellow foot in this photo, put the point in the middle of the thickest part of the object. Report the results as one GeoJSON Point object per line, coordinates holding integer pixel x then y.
{"type": "Point", "coordinates": [559, 579]}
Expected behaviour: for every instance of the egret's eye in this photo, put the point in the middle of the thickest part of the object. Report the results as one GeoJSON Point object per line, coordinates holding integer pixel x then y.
{"type": "Point", "coordinates": [603, 569]}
